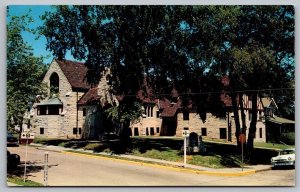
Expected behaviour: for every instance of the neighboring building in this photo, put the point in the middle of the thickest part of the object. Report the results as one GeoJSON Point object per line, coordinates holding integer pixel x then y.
{"type": "Point", "coordinates": [74, 109]}
{"type": "Point", "coordinates": [166, 118]}
{"type": "Point", "coordinates": [173, 119]}
{"type": "Point", "coordinates": [275, 125]}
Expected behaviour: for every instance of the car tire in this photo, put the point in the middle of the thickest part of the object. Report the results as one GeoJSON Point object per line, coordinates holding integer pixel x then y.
{"type": "Point", "coordinates": [294, 165]}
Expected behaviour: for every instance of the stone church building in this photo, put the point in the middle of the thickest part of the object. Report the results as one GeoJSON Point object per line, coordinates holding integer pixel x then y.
{"type": "Point", "coordinates": [71, 110]}
{"type": "Point", "coordinates": [74, 109]}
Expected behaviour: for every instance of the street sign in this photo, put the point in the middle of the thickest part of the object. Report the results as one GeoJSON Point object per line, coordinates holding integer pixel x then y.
{"type": "Point", "coordinates": [27, 135]}
{"type": "Point", "coordinates": [185, 133]}
{"type": "Point", "coordinates": [242, 138]}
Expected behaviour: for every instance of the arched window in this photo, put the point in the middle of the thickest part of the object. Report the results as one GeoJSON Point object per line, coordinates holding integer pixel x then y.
{"type": "Point", "coordinates": [54, 84]}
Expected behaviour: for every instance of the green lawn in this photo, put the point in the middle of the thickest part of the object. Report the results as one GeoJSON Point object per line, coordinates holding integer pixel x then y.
{"type": "Point", "coordinates": [20, 181]}
{"type": "Point", "coordinates": [273, 145]}
{"type": "Point", "coordinates": [217, 156]}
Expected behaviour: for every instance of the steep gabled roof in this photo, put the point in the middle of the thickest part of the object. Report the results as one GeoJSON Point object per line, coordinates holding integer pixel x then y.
{"type": "Point", "coordinates": [75, 72]}
{"type": "Point", "coordinates": [170, 111]}
{"type": "Point", "coordinates": [89, 97]}
{"type": "Point", "coordinates": [267, 102]}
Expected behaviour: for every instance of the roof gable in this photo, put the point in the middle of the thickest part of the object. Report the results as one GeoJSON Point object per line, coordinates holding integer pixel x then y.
{"type": "Point", "coordinates": [75, 72]}
{"type": "Point", "coordinates": [269, 102]}
{"type": "Point", "coordinates": [89, 97]}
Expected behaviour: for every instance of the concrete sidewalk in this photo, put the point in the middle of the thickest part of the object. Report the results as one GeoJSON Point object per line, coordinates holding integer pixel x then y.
{"type": "Point", "coordinates": [250, 169]}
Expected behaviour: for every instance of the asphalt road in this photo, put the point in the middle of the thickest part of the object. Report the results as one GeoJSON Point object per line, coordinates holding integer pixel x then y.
{"type": "Point", "coordinates": [79, 170]}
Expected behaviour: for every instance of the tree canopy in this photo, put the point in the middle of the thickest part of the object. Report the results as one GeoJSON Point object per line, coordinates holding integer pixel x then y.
{"type": "Point", "coordinates": [24, 72]}
{"type": "Point", "coordinates": [188, 48]}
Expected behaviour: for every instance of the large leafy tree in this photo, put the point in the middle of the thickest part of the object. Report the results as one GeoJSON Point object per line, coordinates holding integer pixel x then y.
{"type": "Point", "coordinates": [184, 47]}
{"type": "Point", "coordinates": [24, 72]}
{"type": "Point", "coordinates": [157, 44]}
{"type": "Point", "coordinates": [260, 57]}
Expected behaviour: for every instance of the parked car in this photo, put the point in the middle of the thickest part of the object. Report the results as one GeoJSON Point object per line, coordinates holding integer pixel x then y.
{"type": "Point", "coordinates": [286, 157]}
{"type": "Point", "coordinates": [12, 140]}
{"type": "Point", "coordinates": [13, 160]}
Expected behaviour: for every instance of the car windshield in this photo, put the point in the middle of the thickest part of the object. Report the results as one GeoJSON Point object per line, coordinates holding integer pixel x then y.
{"type": "Point", "coordinates": [286, 152]}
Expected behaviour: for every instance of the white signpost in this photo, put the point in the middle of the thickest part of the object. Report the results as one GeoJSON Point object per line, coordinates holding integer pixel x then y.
{"type": "Point", "coordinates": [242, 139]}
{"type": "Point", "coordinates": [46, 169]}
{"type": "Point", "coordinates": [26, 135]}
{"type": "Point", "coordinates": [185, 134]}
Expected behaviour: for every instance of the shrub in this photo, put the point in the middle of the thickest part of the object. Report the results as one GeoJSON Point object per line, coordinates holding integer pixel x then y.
{"type": "Point", "coordinates": [95, 147]}
{"type": "Point", "coordinates": [288, 138]}
{"type": "Point", "coordinates": [62, 144]}
{"type": "Point", "coordinates": [39, 140]}
{"type": "Point", "coordinates": [48, 141]}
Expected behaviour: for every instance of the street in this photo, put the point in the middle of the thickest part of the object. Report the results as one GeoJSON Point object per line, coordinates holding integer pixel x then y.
{"type": "Point", "coordinates": [81, 170]}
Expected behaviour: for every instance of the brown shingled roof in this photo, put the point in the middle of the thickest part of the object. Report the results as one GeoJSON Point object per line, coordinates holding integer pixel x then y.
{"type": "Point", "coordinates": [89, 97]}
{"type": "Point", "coordinates": [75, 73]}
{"type": "Point", "coordinates": [169, 111]}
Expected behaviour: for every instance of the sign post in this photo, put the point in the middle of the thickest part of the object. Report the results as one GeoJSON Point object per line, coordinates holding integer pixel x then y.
{"type": "Point", "coordinates": [242, 139]}
{"type": "Point", "coordinates": [185, 134]}
{"type": "Point", "coordinates": [25, 160]}
{"type": "Point", "coordinates": [46, 169]}
{"type": "Point", "coordinates": [26, 136]}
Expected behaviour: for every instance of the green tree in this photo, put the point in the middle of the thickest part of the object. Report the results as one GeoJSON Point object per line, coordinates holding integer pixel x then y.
{"type": "Point", "coordinates": [261, 56]}
{"type": "Point", "coordinates": [24, 72]}
{"type": "Point", "coordinates": [184, 47]}
{"type": "Point", "coordinates": [157, 44]}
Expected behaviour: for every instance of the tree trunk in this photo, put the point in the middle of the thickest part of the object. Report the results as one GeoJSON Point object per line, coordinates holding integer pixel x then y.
{"type": "Point", "coordinates": [243, 116]}
{"type": "Point", "coordinates": [125, 142]}
{"type": "Point", "coordinates": [236, 118]}
{"type": "Point", "coordinates": [21, 130]}
{"type": "Point", "coordinates": [252, 129]}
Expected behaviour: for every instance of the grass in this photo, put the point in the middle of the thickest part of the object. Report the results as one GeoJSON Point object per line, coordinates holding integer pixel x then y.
{"type": "Point", "coordinates": [96, 147]}
{"type": "Point", "coordinates": [20, 181]}
{"type": "Point", "coordinates": [46, 141]}
{"type": "Point", "coordinates": [217, 156]}
{"type": "Point", "coordinates": [208, 160]}
{"type": "Point", "coordinates": [170, 155]}
{"type": "Point", "coordinates": [272, 145]}
{"type": "Point", "coordinates": [206, 139]}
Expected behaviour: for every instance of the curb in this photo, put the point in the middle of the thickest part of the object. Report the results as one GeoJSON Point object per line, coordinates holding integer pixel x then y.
{"type": "Point", "coordinates": [164, 166]}
{"type": "Point", "coordinates": [261, 170]}
{"type": "Point", "coordinates": [45, 149]}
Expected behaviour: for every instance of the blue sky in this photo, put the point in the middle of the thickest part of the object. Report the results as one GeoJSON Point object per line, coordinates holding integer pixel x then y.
{"type": "Point", "coordinates": [39, 45]}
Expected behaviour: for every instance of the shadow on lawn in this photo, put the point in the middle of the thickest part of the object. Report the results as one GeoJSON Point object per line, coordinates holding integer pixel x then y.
{"type": "Point", "coordinates": [229, 154]}
{"type": "Point", "coordinates": [144, 144]}
{"type": "Point", "coordinates": [31, 167]}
